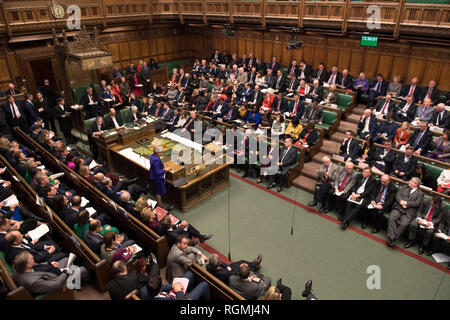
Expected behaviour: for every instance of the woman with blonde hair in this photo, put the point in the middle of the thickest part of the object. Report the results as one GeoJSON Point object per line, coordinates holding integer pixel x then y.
{"type": "Point", "coordinates": [402, 135]}
{"type": "Point", "coordinates": [332, 96]}
{"type": "Point", "coordinates": [141, 204]}
{"type": "Point", "coordinates": [395, 87]}
{"type": "Point", "coordinates": [271, 294]}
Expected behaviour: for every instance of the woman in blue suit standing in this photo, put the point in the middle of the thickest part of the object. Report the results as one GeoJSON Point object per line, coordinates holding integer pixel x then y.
{"type": "Point", "coordinates": [157, 173]}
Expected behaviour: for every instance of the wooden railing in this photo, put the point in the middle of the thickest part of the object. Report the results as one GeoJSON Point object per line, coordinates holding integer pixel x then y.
{"type": "Point", "coordinates": [395, 17]}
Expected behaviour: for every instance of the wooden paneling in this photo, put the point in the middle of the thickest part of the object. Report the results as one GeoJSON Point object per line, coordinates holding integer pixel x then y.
{"type": "Point", "coordinates": [399, 67]}
{"type": "Point", "coordinates": [415, 68]}
{"type": "Point", "coordinates": [444, 80]}
{"type": "Point", "coordinates": [124, 51]}
{"type": "Point", "coordinates": [134, 50]}
{"type": "Point", "coordinates": [385, 65]}
{"type": "Point", "coordinates": [332, 57]}
{"type": "Point", "coordinates": [344, 59]}
{"type": "Point", "coordinates": [371, 63]}
{"type": "Point", "coordinates": [431, 70]}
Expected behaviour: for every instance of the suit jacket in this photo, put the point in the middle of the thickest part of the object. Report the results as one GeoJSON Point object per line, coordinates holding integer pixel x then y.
{"type": "Point", "coordinates": [312, 137]}
{"type": "Point", "coordinates": [410, 113]}
{"type": "Point", "coordinates": [292, 84]}
{"type": "Point", "coordinates": [259, 98]}
{"type": "Point", "coordinates": [384, 163]}
{"type": "Point", "coordinates": [389, 196]}
{"type": "Point", "coordinates": [251, 77]}
{"type": "Point", "coordinates": [85, 100]}
{"type": "Point", "coordinates": [427, 113]}
{"type": "Point", "coordinates": [444, 122]}
{"type": "Point", "coordinates": [389, 128]}
{"type": "Point", "coordinates": [318, 91]}
{"type": "Point", "coordinates": [168, 115]}
{"type": "Point", "coordinates": [178, 261]}
{"type": "Point", "coordinates": [424, 142]}
{"type": "Point", "coordinates": [317, 115]}
{"type": "Point", "coordinates": [131, 117]}
{"type": "Point", "coordinates": [281, 84]}
{"type": "Point", "coordinates": [8, 114]}
{"type": "Point", "coordinates": [416, 93]}
{"type": "Point", "coordinates": [390, 106]}
{"type": "Point", "coordinates": [31, 113]}
{"type": "Point", "coordinates": [40, 282]}
{"type": "Point", "coordinates": [373, 125]}
{"type": "Point", "coordinates": [322, 76]}
{"type": "Point", "coordinates": [249, 289]}
{"type": "Point", "coordinates": [337, 77]}
{"type": "Point", "coordinates": [283, 105]}
{"type": "Point", "coordinates": [383, 88]}
{"type": "Point", "coordinates": [120, 286]}
{"type": "Point", "coordinates": [36, 250]}
{"type": "Point", "coordinates": [300, 108]}
{"type": "Point", "coordinates": [413, 201]}
{"type": "Point", "coordinates": [274, 67]}
{"type": "Point", "coordinates": [333, 170]}
{"type": "Point", "coordinates": [109, 123]}
{"type": "Point", "coordinates": [287, 159]}
{"type": "Point", "coordinates": [63, 122]}
{"type": "Point", "coordinates": [94, 241]}
{"type": "Point", "coordinates": [146, 73]}
{"type": "Point", "coordinates": [406, 167]}
{"type": "Point", "coordinates": [353, 149]}
{"type": "Point", "coordinates": [94, 128]}
{"type": "Point", "coordinates": [117, 73]}
{"type": "Point", "coordinates": [368, 188]}
{"type": "Point", "coordinates": [351, 180]}
{"type": "Point", "coordinates": [296, 71]}
{"type": "Point", "coordinates": [246, 95]}
{"type": "Point", "coordinates": [347, 82]}
{"type": "Point", "coordinates": [434, 95]}
{"type": "Point", "coordinates": [307, 72]}
{"type": "Point", "coordinates": [444, 225]}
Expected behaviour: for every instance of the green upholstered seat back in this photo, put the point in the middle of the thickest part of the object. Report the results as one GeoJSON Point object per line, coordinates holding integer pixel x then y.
{"type": "Point", "coordinates": [78, 92]}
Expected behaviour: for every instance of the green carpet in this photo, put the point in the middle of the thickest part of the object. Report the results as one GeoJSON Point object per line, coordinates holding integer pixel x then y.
{"type": "Point", "coordinates": [335, 260]}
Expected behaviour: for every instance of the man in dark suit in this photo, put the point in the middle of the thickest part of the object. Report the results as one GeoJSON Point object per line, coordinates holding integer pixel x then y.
{"type": "Point", "coordinates": [288, 156]}
{"type": "Point", "coordinates": [292, 85]}
{"type": "Point", "coordinates": [216, 57]}
{"type": "Point", "coordinates": [280, 82]}
{"type": "Point", "coordinates": [261, 66]}
{"type": "Point", "coordinates": [429, 215]}
{"type": "Point", "coordinates": [251, 76]}
{"type": "Point", "coordinates": [280, 104]}
{"type": "Point", "coordinates": [386, 130]}
{"type": "Point", "coordinates": [146, 74]}
{"type": "Point", "coordinates": [349, 147]}
{"type": "Point", "coordinates": [117, 73]}
{"type": "Point", "coordinates": [444, 227]}
{"type": "Point", "coordinates": [367, 125]}
{"type": "Point", "coordinates": [231, 115]}
{"type": "Point", "coordinates": [92, 236]}
{"type": "Point", "coordinates": [321, 73]}
{"type": "Point", "coordinates": [296, 107]}
{"type": "Point", "coordinates": [421, 139]}
{"type": "Point", "coordinates": [11, 90]}
{"type": "Point", "coordinates": [45, 111]}
{"type": "Point", "coordinates": [95, 130]}
{"type": "Point", "coordinates": [305, 71]}
{"type": "Point", "coordinates": [334, 77]}
{"type": "Point", "coordinates": [249, 286]}
{"type": "Point", "coordinates": [224, 271]}
{"type": "Point", "coordinates": [131, 68]}
{"type": "Point", "coordinates": [221, 109]}
{"type": "Point", "coordinates": [346, 80]}
{"type": "Point", "coordinates": [404, 165]}
{"type": "Point", "coordinates": [406, 111]}
{"type": "Point", "coordinates": [383, 158]}
{"type": "Point", "coordinates": [258, 98]}
{"type": "Point", "coordinates": [167, 113]}
{"type": "Point", "coordinates": [15, 115]}
{"type": "Point", "coordinates": [113, 119]}
{"type": "Point", "coordinates": [316, 92]}
{"type": "Point", "coordinates": [274, 65]}
{"type": "Point", "coordinates": [377, 88]}
{"type": "Point", "coordinates": [63, 113]}
{"type": "Point", "coordinates": [31, 113]}
{"type": "Point", "coordinates": [246, 94]}
{"type": "Point", "coordinates": [386, 106]}
{"type": "Point", "coordinates": [381, 201]}
{"type": "Point", "coordinates": [408, 199]}
{"type": "Point", "coordinates": [440, 117]}
{"type": "Point", "coordinates": [134, 115]}
{"type": "Point", "coordinates": [431, 92]}
{"type": "Point", "coordinates": [412, 90]}
{"type": "Point", "coordinates": [293, 72]}
{"type": "Point", "coordinates": [124, 282]}
{"type": "Point", "coordinates": [360, 192]}
{"type": "Point", "coordinates": [90, 103]}
{"type": "Point", "coordinates": [313, 114]}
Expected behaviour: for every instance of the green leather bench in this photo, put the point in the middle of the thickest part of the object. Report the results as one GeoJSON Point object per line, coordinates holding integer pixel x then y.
{"type": "Point", "coordinates": [125, 114]}
{"type": "Point", "coordinates": [330, 121]}
{"type": "Point", "coordinates": [344, 102]}
{"type": "Point", "coordinates": [78, 92]}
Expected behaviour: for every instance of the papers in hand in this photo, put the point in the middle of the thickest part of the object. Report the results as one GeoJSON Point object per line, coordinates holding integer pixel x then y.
{"type": "Point", "coordinates": [152, 203]}
{"type": "Point", "coordinates": [333, 105]}
{"type": "Point", "coordinates": [70, 261]}
{"type": "Point", "coordinates": [339, 193]}
{"type": "Point", "coordinates": [423, 226]}
{"type": "Point", "coordinates": [41, 167]}
{"type": "Point", "coordinates": [93, 164]}
{"type": "Point", "coordinates": [370, 206]}
{"type": "Point", "coordinates": [355, 201]}
{"type": "Point", "coordinates": [136, 247]}
{"type": "Point", "coordinates": [56, 175]}
{"type": "Point", "coordinates": [183, 281]}
{"type": "Point", "coordinates": [84, 201]}
{"type": "Point", "coordinates": [38, 232]}
{"type": "Point", "coordinates": [441, 235]}
{"type": "Point", "coordinates": [12, 200]}
{"type": "Point", "coordinates": [91, 211]}
{"type": "Point", "coordinates": [322, 102]}
{"type": "Point", "coordinates": [436, 129]}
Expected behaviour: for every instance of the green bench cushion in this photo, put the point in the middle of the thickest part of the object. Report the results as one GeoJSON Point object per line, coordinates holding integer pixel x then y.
{"type": "Point", "coordinates": [8, 267]}
{"type": "Point", "coordinates": [124, 114]}
{"type": "Point", "coordinates": [344, 100]}
{"type": "Point", "coordinates": [78, 92]}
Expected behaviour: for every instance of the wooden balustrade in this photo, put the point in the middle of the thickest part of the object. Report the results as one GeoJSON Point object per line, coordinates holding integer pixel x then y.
{"type": "Point", "coordinates": [31, 15]}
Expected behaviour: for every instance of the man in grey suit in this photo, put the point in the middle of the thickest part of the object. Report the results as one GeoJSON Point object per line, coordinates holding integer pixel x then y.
{"type": "Point", "coordinates": [408, 200]}
{"type": "Point", "coordinates": [181, 257]}
{"type": "Point", "coordinates": [44, 277]}
{"type": "Point", "coordinates": [313, 114]}
{"type": "Point", "coordinates": [431, 210]}
{"type": "Point", "coordinates": [345, 179]}
{"type": "Point", "coordinates": [288, 156]}
{"type": "Point", "coordinates": [425, 111]}
{"type": "Point", "coordinates": [250, 286]}
{"type": "Point", "coordinates": [326, 175]}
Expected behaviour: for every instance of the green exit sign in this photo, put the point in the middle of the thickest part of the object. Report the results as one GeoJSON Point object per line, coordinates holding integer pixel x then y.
{"type": "Point", "coordinates": [369, 41]}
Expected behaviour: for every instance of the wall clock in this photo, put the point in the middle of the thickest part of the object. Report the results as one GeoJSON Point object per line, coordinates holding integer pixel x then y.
{"type": "Point", "coordinates": [58, 11]}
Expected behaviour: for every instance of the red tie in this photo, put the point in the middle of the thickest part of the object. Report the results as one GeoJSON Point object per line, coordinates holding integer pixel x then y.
{"type": "Point", "coordinates": [295, 108]}
{"type": "Point", "coordinates": [380, 195]}
{"type": "Point", "coordinates": [332, 78]}
{"type": "Point", "coordinates": [325, 175]}
{"type": "Point", "coordinates": [430, 213]}
{"type": "Point", "coordinates": [411, 91]}
{"type": "Point", "coordinates": [341, 187]}
{"type": "Point", "coordinates": [384, 107]}
{"type": "Point", "coordinates": [429, 93]}
{"type": "Point", "coordinates": [229, 114]}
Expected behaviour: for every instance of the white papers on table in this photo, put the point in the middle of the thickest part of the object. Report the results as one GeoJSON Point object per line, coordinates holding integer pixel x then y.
{"type": "Point", "coordinates": [107, 99]}
{"type": "Point", "coordinates": [138, 248]}
{"type": "Point", "coordinates": [333, 105]}
{"type": "Point", "coordinates": [135, 128]}
{"type": "Point", "coordinates": [75, 107]}
{"type": "Point", "coordinates": [183, 281]}
{"type": "Point", "coordinates": [441, 235]}
{"type": "Point", "coordinates": [38, 232]}
{"type": "Point", "coordinates": [326, 85]}
{"type": "Point", "coordinates": [93, 164]}
{"type": "Point", "coordinates": [139, 85]}
{"type": "Point", "coordinates": [133, 156]}
{"type": "Point", "coordinates": [56, 175]}
{"type": "Point", "coordinates": [70, 261]}
{"type": "Point", "coordinates": [441, 257]}
{"type": "Point", "coordinates": [84, 201]}
{"type": "Point", "coordinates": [152, 203]}
{"type": "Point", "coordinates": [286, 114]}
{"type": "Point", "coordinates": [112, 133]}
{"type": "Point", "coordinates": [91, 211]}
{"type": "Point", "coordinates": [11, 200]}
{"type": "Point", "coordinates": [187, 142]}
{"type": "Point", "coordinates": [308, 100]}
{"type": "Point", "coordinates": [354, 201]}
{"type": "Point", "coordinates": [436, 129]}
{"type": "Point", "coordinates": [322, 102]}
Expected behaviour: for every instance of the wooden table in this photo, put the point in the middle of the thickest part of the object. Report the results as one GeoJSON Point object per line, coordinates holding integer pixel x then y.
{"type": "Point", "coordinates": [210, 179]}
